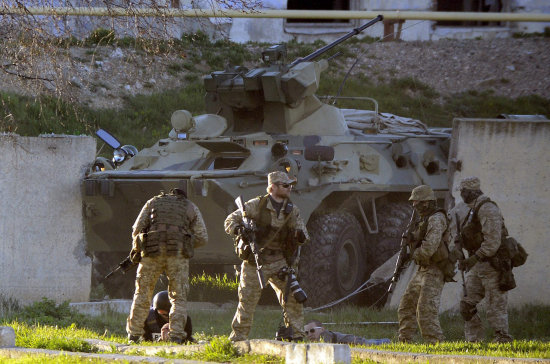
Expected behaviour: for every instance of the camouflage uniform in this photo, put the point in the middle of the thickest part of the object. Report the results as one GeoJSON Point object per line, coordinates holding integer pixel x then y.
{"type": "Point", "coordinates": [420, 302]}
{"type": "Point", "coordinates": [482, 280]}
{"type": "Point", "coordinates": [174, 227]}
{"type": "Point", "coordinates": [272, 262]}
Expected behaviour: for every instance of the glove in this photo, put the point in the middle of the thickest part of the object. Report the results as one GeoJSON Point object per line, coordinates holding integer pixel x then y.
{"type": "Point", "coordinates": [467, 264]}
{"type": "Point", "coordinates": [135, 256]}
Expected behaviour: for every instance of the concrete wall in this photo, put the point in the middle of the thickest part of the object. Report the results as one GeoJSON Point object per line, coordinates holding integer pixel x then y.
{"type": "Point", "coordinates": [42, 246]}
{"type": "Point", "coordinates": [512, 159]}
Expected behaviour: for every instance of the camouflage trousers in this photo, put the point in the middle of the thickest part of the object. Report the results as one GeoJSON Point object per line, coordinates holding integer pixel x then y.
{"type": "Point", "coordinates": [420, 303]}
{"type": "Point", "coordinates": [482, 282]}
{"type": "Point", "coordinates": [176, 269]}
{"type": "Point", "coordinates": [249, 294]}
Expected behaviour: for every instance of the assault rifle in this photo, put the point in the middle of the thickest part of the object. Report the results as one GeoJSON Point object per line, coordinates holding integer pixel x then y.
{"type": "Point", "coordinates": [123, 266]}
{"type": "Point", "coordinates": [250, 227]}
{"type": "Point", "coordinates": [458, 246]}
{"type": "Point", "coordinates": [404, 254]}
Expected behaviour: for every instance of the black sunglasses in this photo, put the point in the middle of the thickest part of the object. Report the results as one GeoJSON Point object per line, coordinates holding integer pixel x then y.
{"type": "Point", "coordinates": [284, 185]}
{"type": "Point", "coordinates": [312, 330]}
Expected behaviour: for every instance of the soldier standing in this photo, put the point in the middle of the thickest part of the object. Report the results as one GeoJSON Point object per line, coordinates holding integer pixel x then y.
{"type": "Point", "coordinates": [277, 221]}
{"type": "Point", "coordinates": [429, 252]}
{"type": "Point", "coordinates": [481, 237]}
{"type": "Point", "coordinates": [165, 234]}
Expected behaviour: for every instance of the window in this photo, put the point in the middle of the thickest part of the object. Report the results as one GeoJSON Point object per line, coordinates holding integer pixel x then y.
{"type": "Point", "coordinates": [492, 6]}
{"type": "Point", "coordinates": [318, 5]}
{"type": "Point", "coordinates": [226, 163]}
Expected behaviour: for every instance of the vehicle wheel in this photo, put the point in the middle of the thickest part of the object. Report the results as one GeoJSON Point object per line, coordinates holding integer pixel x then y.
{"type": "Point", "coordinates": [333, 264]}
{"type": "Point", "coordinates": [392, 221]}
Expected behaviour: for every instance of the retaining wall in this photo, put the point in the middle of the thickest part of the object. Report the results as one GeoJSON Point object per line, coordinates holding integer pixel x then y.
{"type": "Point", "coordinates": [42, 245]}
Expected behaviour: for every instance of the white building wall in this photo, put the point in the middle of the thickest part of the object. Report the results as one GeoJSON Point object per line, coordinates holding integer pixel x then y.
{"type": "Point", "coordinates": [42, 244]}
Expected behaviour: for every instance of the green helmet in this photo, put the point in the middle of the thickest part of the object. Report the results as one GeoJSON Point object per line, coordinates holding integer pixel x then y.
{"type": "Point", "coordinates": [422, 193]}
{"type": "Point", "coordinates": [161, 301]}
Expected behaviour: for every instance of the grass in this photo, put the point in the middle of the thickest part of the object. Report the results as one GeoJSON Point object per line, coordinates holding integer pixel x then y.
{"type": "Point", "coordinates": [47, 325]}
{"type": "Point", "coordinates": [218, 288]}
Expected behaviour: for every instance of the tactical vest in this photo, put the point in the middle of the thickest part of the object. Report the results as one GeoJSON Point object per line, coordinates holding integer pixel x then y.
{"type": "Point", "coordinates": [440, 258]}
{"type": "Point", "coordinates": [418, 234]}
{"type": "Point", "coordinates": [472, 235]}
{"type": "Point", "coordinates": [169, 227]}
{"type": "Point", "coordinates": [266, 232]}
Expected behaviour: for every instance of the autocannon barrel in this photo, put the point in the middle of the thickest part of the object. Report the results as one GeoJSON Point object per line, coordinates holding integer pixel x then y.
{"type": "Point", "coordinates": [320, 51]}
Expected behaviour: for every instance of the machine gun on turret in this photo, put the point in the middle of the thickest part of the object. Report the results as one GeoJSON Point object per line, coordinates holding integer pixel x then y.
{"type": "Point", "coordinates": [328, 47]}
{"type": "Point", "coordinates": [275, 97]}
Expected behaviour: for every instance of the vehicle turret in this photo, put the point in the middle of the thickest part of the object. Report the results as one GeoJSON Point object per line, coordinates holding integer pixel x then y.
{"type": "Point", "coordinates": [277, 97]}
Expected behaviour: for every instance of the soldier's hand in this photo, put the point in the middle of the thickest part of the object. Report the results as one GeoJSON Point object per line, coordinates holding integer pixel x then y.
{"type": "Point", "coordinates": [455, 255]}
{"type": "Point", "coordinates": [243, 232]}
{"type": "Point", "coordinates": [467, 264]}
{"type": "Point", "coordinates": [165, 332]}
{"type": "Point", "coordinates": [135, 256]}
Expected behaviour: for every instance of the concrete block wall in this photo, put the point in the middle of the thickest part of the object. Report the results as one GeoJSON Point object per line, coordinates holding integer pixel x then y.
{"type": "Point", "coordinates": [42, 244]}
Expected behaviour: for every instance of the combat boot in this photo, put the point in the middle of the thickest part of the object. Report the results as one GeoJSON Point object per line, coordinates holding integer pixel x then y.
{"type": "Point", "coordinates": [134, 339]}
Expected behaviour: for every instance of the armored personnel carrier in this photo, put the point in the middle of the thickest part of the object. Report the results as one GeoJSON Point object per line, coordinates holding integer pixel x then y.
{"type": "Point", "coordinates": [355, 170]}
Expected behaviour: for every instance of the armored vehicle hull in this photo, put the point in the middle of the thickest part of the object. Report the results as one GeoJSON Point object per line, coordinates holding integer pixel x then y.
{"type": "Point", "coordinates": [354, 168]}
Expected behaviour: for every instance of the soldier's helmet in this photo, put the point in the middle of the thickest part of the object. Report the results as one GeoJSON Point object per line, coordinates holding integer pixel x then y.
{"type": "Point", "coordinates": [161, 301]}
{"type": "Point", "coordinates": [469, 183]}
{"type": "Point", "coordinates": [422, 193]}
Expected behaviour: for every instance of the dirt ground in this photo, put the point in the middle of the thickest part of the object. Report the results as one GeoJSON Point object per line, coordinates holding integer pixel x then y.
{"type": "Point", "coordinates": [101, 77]}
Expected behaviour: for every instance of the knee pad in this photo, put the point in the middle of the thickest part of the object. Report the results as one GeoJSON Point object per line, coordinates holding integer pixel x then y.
{"type": "Point", "coordinates": [467, 310]}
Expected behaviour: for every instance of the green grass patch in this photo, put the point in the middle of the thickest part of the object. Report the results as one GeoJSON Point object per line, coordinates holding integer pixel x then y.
{"type": "Point", "coordinates": [217, 288]}
{"type": "Point", "coordinates": [221, 350]}
{"type": "Point", "coordinates": [55, 326]}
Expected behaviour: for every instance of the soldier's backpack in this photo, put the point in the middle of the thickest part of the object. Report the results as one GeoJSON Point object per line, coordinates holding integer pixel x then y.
{"type": "Point", "coordinates": [509, 248]}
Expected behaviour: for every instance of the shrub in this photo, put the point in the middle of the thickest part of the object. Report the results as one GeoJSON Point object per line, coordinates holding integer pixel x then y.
{"type": "Point", "coordinates": [101, 36]}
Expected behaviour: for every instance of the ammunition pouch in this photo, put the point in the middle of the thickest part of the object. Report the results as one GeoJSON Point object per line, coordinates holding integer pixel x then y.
{"type": "Point", "coordinates": [516, 252]}
{"type": "Point", "coordinates": [467, 310]}
{"type": "Point", "coordinates": [173, 237]}
{"type": "Point", "coordinates": [506, 281]}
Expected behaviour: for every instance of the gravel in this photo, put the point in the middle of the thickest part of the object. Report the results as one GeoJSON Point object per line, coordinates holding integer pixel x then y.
{"type": "Point", "coordinates": [101, 77]}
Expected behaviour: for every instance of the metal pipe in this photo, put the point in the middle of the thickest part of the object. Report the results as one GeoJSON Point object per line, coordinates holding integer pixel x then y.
{"type": "Point", "coordinates": [289, 14]}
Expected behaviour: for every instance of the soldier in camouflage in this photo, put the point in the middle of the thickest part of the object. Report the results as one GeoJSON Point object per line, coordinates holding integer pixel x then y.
{"type": "Point", "coordinates": [481, 238]}
{"type": "Point", "coordinates": [420, 303]}
{"type": "Point", "coordinates": [165, 234]}
{"type": "Point", "coordinates": [278, 221]}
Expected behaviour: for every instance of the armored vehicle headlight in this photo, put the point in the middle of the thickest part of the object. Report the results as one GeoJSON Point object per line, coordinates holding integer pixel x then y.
{"type": "Point", "coordinates": [119, 155]}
